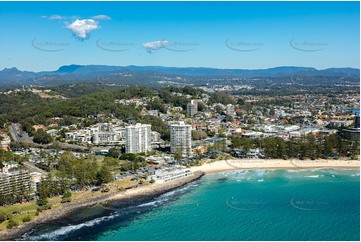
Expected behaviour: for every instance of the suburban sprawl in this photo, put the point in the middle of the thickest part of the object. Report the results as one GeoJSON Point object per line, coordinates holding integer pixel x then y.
{"type": "Point", "coordinates": [60, 146]}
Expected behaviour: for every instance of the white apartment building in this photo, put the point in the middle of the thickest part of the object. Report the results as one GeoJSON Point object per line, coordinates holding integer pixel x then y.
{"type": "Point", "coordinates": [155, 137]}
{"type": "Point", "coordinates": [15, 181]}
{"type": "Point", "coordinates": [98, 134]}
{"type": "Point", "coordinates": [138, 138]}
{"type": "Point", "coordinates": [230, 110]}
{"type": "Point", "coordinates": [192, 108]}
{"type": "Point", "coordinates": [168, 175]}
{"type": "Point", "coordinates": [181, 138]}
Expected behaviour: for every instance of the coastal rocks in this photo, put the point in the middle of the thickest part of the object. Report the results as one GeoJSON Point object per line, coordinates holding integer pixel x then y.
{"type": "Point", "coordinates": [127, 198]}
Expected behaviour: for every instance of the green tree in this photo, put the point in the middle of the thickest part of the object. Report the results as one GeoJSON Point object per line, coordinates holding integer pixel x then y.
{"type": "Point", "coordinates": [342, 147]}
{"type": "Point", "coordinates": [66, 197]}
{"type": "Point", "coordinates": [218, 109]}
{"type": "Point", "coordinates": [355, 148]}
{"type": "Point", "coordinates": [329, 144]}
{"type": "Point", "coordinates": [240, 101]}
{"type": "Point", "coordinates": [43, 194]}
{"type": "Point", "coordinates": [272, 112]}
{"type": "Point", "coordinates": [42, 137]}
{"type": "Point", "coordinates": [111, 162]}
{"type": "Point", "coordinates": [201, 107]}
{"type": "Point", "coordinates": [157, 104]}
{"type": "Point", "coordinates": [178, 154]}
{"type": "Point", "coordinates": [3, 216]}
{"type": "Point", "coordinates": [199, 135]}
{"type": "Point", "coordinates": [26, 219]}
{"type": "Point", "coordinates": [12, 223]}
{"type": "Point", "coordinates": [114, 152]}
{"type": "Point", "coordinates": [104, 174]}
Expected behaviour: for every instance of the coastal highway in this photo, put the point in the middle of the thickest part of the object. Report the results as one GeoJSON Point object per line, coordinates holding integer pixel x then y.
{"type": "Point", "coordinates": [18, 135]}
{"type": "Point", "coordinates": [15, 132]}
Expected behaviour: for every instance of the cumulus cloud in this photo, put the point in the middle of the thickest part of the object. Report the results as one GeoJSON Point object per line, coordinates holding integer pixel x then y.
{"type": "Point", "coordinates": [81, 28]}
{"type": "Point", "coordinates": [102, 17]}
{"type": "Point", "coordinates": [153, 46]}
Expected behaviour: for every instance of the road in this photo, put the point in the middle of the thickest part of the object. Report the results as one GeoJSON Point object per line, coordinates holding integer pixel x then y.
{"type": "Point", "coordinates": [15, 133]}
{"type": "Point", "coordinates": [32, 167]}
{"type": "Point", "coordinates": [20, 136]}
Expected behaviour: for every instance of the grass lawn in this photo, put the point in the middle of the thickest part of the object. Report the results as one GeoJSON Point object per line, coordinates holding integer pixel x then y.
{"type": "Point", "coordinates": [124, 182]}
{"type": "Point", "coordinates": [21, 210]}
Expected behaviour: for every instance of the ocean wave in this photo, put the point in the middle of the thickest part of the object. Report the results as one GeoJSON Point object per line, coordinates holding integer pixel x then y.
{"type": "Point", "coordinates": [154, 204]}
{"type": "Point", "coordinates": [168, 195]}
{"type": "Point", "coordinates": [55, 235]}
{"type": "Point", "coordinates": [249, 175]}
{"type": "Point", "coordinates": [305, 170]}
{"type": "Point", "coordinates": [315, 176]}
{"type": "Point", "coordinates": [294, 171]}
{"type": "Point", "coordinates": [58, 233]}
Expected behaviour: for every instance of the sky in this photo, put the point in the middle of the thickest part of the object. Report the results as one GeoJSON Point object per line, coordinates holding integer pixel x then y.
{"type": "Point", "coordinates": [42, 36]}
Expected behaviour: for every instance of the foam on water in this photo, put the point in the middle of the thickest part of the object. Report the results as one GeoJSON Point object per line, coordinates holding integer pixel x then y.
{"type": "Point", "coordinates": [199, 210]}
{"type": "Point", "coordinates": [55, 235]}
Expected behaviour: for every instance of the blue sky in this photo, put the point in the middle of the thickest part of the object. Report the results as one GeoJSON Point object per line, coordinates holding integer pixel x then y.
{"type": "Point", "coordinates": [245, 35]}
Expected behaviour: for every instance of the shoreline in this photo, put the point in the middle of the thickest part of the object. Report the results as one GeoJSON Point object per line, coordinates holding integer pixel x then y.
{"type": "Point", "coordinates": [246, 164]}
{"type": "Point", "coordinates": [129, 196]}
{"type": "Point", "coordinates": [154, 190]}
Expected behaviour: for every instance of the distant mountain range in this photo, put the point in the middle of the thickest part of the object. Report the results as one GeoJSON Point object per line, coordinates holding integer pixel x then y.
{"type": "Point", "coordinates": [123, 74]}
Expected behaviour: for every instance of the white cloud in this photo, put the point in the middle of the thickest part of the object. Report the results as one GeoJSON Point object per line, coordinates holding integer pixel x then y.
{"type": "Point", "coordinates": [102, 17]}
{"type": "Point", "coordinates": [153, 46]}
{"type": "Point", "coordinates": [81, 28]}
{"type": "Point", "coordinates": [55, 17]}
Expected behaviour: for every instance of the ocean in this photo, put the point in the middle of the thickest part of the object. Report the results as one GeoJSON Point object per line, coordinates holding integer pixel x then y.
{"type": "Point", "coordinates": [356, 111]}
{"type": "Point", "coordinates": [312, 204]}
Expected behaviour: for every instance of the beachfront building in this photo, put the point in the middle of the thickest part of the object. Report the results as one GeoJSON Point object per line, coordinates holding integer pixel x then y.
{"type": "Point", "coordinates": [192, 108]}
{"type": "Point", "coordinates": [181, 138]}
{"type": "Point", "coordinates": [138, 138]}
{"type": "Point", "coordinates": [14, 182]}
{"type": "Point", "coordinates": [168, 175]}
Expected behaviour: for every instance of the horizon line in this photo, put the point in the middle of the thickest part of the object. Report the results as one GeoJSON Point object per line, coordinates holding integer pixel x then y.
{"type": "Point", "coordinates": [183, 67]}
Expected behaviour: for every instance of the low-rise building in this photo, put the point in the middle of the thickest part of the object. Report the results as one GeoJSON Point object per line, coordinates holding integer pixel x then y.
{"type": "Point", "coordinates": [168, 175]}
{"type": "Point", "coordinates": [340, 123]}
{"type": "Point", "coordinates": [5, 141]}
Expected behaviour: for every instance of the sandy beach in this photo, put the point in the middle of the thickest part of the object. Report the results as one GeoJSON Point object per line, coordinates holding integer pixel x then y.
{"type": "Point", "coordinates": [236, 164]}
{"type": "Point", "coordinates": [146, 192]}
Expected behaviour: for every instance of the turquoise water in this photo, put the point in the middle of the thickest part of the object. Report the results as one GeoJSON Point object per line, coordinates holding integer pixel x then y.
{"type": "Point", "coordinates": [316, 204]}
{"type": "Point", "coordinates": [356, 111]}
